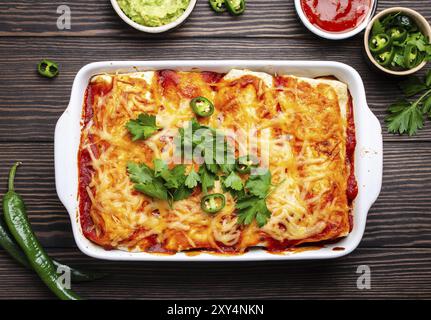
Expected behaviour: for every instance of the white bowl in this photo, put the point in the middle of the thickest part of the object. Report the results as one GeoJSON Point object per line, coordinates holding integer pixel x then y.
{"type": "Point", "coordinates": [368, 154]}
{"type": "Point", "coordinates": [334, 35]}
{"type": "Point", "coordinates": [160, 29]}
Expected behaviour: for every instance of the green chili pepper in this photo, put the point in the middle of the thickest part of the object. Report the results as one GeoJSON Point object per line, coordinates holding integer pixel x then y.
{"type": "Point", "coordinates": [380, 43]}
{"type": "Point", "coordinates": [202, 106]}
{"type": "Point", "coordinates": [17, 221]}
{"type": "Point", "coordinates": [385, 58]}
{"type": "Point", "coordinates": [412, 56]}
{"type": "Point", "coordinates": [235, 7]}
{"type": "Point", "coordinates": [212, 203]}
{"type": "Point", "coordinates": [9, 245]}
{"type": "Point", "coordinates": [245, 163]}
{"type": "Point", "coordinates": [397, 34]}
{"type": "Point", "coordinates": [47, 68]}
{"type": "Point", "coordinates": [218, 5]}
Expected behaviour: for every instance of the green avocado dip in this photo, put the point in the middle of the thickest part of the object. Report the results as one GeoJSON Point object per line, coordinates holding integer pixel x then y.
{"type": "Point", "coordinates": [153, 13]}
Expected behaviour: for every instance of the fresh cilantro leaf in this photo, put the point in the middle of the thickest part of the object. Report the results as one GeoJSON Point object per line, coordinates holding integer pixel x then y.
{"type": "Point", "coordinates": [259, 184]}
{"type": "Point", "coordinates": [233, 181]}
{"type": "Point", "coordinates": [192, 179]}
{"type": "Point", "coordinates": [139, 173]}
{"type": "Point", "coordinates": [378, 28]}
{"type": "Point", "coordinates": [177, 177]}
{"type": "Point", "coordinates": [405, 117]}
{"type": "Point", "coordinates": [208, 144]}
{"type": "Point", "coordinates": [142, 127]}
{"type": "Point", "coordinates": [412, 86]}
{"type": "Point", "coordinates": [399, 59]}
{"type": "Point", "coordinates": [250, 208]}
{"type": "Point", "coordinates": [212, 167]}
{"type": "Point", "coordinates": [146, 182]}
{"type": "Point", "coordinates": [174, 178]}
{"type": "Point", "coordinates": [161, 169]}
{"type": "Point", "coordinates": [181, 193]}
{"type": "Point", "coordinates": [154, 189]}
{"type": "Point", "coordinates": [207, 178]}
{"type": "Point", "coordinates": [428, 79]}
{"type": "Point", "coordinates": [427, 106]}
{"type": "Point", "coordinates": [417, 39]}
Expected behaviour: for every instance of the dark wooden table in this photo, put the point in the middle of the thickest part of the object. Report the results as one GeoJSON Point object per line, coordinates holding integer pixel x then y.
{"type": "Point", "coordinates": [397, 242]}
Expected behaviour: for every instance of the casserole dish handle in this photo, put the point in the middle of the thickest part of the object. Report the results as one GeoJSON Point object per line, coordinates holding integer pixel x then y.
{"type": "Point", "coordinates": [64, 171]}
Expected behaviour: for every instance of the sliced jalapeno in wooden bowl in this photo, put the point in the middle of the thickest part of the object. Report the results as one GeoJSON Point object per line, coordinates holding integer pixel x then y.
{"type": "Point", "coordinates": [385, 58]}
{"type": "Point", "coordinates": [412, 56]}
{"type": "Point", "coordinates": [397, 34]}
{"type": "Point", "coordinates": [380, 43]}
{"type": "Point", "coordinates": [213, 203]}
{"type": "Point", "coordinates": [202, 106]}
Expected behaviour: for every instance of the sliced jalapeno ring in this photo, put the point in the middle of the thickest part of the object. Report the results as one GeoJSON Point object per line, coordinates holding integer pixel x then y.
{"type": "Point", "coordinates": [235, 7]}
{"type": "Point", "coordinates": [245, 163]}
{"type": "Point", "coordinates": [47, 68]}
{"type": "Point", "coordinates": [202, 106]}
{"type": "Point", "coordinates": [213, 203]}
{"type": "Point", "coordinates": [218, 5]}
{"type": "Point", "coordinates": [380, 43]}
{"type": "Point", "coordinates": [397, 34]}
{"type": "Point", "coordinates": [412, 56]}
{"type": "Point", "coordinates": [385, 58]}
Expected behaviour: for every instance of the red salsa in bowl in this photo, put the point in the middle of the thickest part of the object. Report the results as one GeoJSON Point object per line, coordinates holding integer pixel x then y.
{"type": "Point", "coordinates": [336, 16]}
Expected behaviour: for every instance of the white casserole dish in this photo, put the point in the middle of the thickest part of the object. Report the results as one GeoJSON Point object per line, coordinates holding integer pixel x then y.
{"type": "Point", "coordinates": [368, 155]}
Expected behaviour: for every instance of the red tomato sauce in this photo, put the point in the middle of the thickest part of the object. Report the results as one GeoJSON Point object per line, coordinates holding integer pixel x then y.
{"type": "Point", "coordinates": [336, 15]}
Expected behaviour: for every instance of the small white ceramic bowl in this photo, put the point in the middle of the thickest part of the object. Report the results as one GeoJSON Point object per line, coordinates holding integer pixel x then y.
{"type": "Point", "coordinates": [160, 29]}
{"type": "Point", "coordinates": [334, 35]}
{"type": "Point", "coordinates": [423, 25]}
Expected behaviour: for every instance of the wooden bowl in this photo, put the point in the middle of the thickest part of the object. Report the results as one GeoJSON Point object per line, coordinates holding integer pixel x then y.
{"type": "Point", "coordinates": [422, 24]}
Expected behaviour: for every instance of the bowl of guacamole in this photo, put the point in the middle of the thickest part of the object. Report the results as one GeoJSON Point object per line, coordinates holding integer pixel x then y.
{"type": "Point", "coordinates": [153, 16]}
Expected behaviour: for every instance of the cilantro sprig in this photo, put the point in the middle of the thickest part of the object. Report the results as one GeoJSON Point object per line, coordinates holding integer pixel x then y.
{"type": "Point", "coordinates": [142, 127]}
{"type": "Point", "coordinates": [409, 116]}
{"type": "Point", "coordinates": [251, 205]}
{"type": "Point", "coordinates": [173, 184]}
{"type": "Point", "coordinates": [161, 182]}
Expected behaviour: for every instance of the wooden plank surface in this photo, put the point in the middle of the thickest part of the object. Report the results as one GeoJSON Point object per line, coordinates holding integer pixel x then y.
{"type": "Point", "coordinates": [397, 241]}
{"type": "Point", "coordinates": [395, 273]}
{"type": "Point", "coordinates": [263, 18]}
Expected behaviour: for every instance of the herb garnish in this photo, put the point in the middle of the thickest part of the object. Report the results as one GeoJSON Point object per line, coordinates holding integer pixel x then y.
{"type": "Point", "coordinates": [143, 127]}
{"type": "Point", "coordinates": [409, 116]}
{"type": "Point", "coordinates": [252, 204]}
{"type": "Point", "coordinates": [218, 163]}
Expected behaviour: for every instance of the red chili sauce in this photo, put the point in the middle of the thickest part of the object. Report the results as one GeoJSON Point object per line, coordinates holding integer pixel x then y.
{"type": "Point", "coordinates": [336, 15]}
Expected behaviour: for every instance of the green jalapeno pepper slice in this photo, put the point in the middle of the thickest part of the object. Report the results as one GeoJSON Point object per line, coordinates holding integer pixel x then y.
{"type": "Point", "coordinates": [218, 5]}
{"type": "Point", "coordinates": [385, 58]}
{"type": "Point", "coordinates": [397, 34]}
{"type": "Point", "coordinates": [380, 43]}
{"type": "Point", "coordinates": [212, 203]}
{"type": "Point", "coordinates": [244, 164]}
{"type": "Point", "coordinates": [202, 106]}
{"type": "Point", "coordinates": [412, 56]}
{"type": "Point", "coordinates": [47, 68]}
{"type": "Point", "coordinates": [235, 7]}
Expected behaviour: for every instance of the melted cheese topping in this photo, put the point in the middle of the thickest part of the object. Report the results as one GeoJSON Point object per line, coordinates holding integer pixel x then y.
{"type": "Point", "coordinates": [302, 135]}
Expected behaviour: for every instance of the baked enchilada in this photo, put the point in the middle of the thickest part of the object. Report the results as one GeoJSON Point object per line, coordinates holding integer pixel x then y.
{"type": "Point", "coordinates": [181, 161]}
